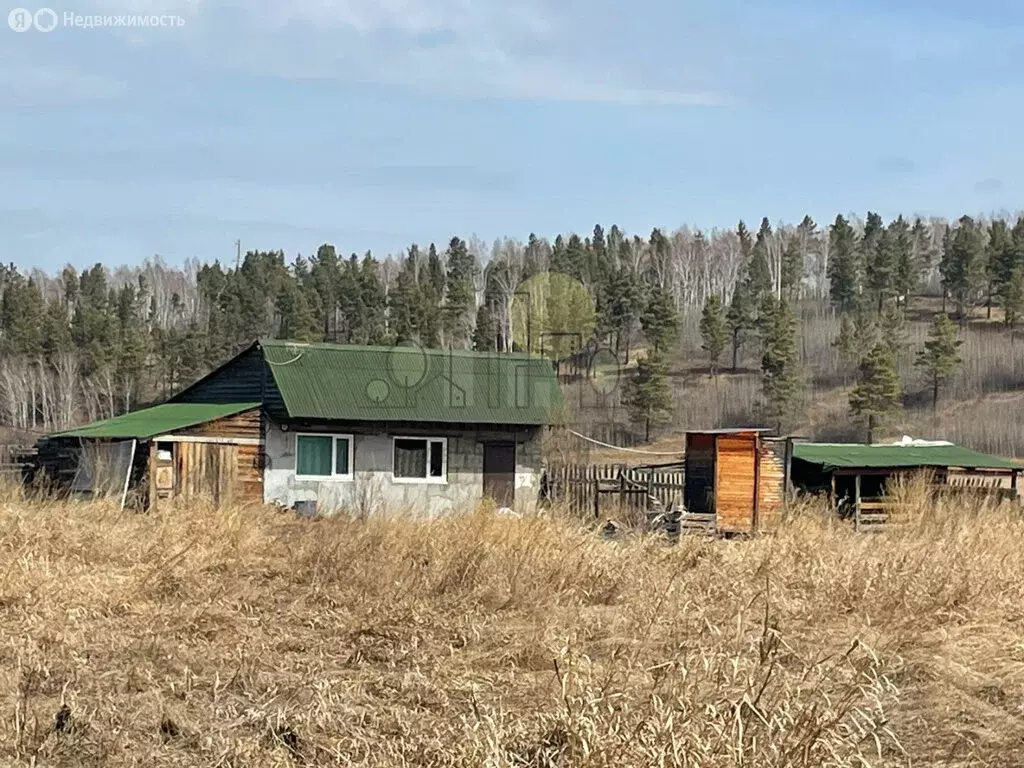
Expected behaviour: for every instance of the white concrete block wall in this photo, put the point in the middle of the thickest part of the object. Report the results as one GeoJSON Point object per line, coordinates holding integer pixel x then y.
{"type": "Point", "coordinates": [372, 490]}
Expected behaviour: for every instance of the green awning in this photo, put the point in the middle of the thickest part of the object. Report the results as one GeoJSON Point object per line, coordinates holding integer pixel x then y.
{"type": "Point", "coordinates": [158, 420]}
{"type": "Point", "coordinates": [830, 456]}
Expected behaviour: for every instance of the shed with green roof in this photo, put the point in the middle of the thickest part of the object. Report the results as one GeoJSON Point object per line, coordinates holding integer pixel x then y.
{"type": "Point", "coordinates": [860, 474]}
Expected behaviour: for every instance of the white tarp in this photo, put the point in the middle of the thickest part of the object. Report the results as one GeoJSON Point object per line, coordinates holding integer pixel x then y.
{"type": "Point", "coordinates": [104, 470]}
{"type": "Point", "coordinates": [908, 442]}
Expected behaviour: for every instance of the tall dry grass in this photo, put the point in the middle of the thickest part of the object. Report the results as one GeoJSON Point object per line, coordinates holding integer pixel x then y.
{"type": "Point", "coordinates": [203, 637]}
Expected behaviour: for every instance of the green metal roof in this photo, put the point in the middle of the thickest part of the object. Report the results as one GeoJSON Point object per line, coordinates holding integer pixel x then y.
{"type": "Point", "coordinates": [158, 420]}
{"type": "Point", "coordinates": [410, 383]}
{"type": "Point", "coordinates": [847, 456]}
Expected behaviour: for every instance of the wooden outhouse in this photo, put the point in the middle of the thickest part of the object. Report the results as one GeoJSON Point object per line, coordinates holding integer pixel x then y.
{"type": "Point", "coordinates": [741, 476]}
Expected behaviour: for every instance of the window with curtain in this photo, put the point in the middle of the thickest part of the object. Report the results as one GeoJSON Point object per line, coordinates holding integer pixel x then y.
{"type": "Point", "coordinates": [323, 456]}
{"type": "Point", "coordinates": [420, 458]}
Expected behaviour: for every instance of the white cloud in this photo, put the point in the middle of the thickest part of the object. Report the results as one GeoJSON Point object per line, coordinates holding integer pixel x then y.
{"type": "Point", "coordinates": [463, 48]}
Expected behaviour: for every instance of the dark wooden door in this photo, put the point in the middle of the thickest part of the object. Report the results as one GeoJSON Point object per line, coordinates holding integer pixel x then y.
{"type": "Point", "coordinates": [500, 473]}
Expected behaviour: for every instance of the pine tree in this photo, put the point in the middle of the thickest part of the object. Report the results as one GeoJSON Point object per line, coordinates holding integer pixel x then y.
{"type": "Point", "coordinates": [877, 394]}
{"type": "Point", "coordinates": [921, 245]}
{"type": "Point", "coordinates": [759, 273]}
{"type": "Point", "coordinates": [559, 257]}
{"type": "Point", "coordinates": [325, 271]}
{"type": "Point", "coordinates": [881, 266]}
{"type": "Point", "coordinates": [1000, 260]}
{"type": "Point", "coordinates": [746, 242]}
{"type": "Point", "coordinates": [846, 344]}
{"type": "Point", "coordinates": [460, 294]}
{"type": "Point", "coordinates": [623, 306]}
{"type": "Point", "coordinates": [577, 258]}
{"type": "Point", "coordinates": [844, 265]}
{"type": "Point", "coordinates": [349, 325]}
{"type": "Point", "coordinates": [739, 319]}
{"type": "Point", "coordinates": [905, 270]}
{"type": "Point", "coordinates": [780, 365]}
{"type": "Point", "coordinates": [874, 258]}
{"type": "Point", "coordinates": [403, 302]}
{"type": "Point", "coordinates": [297, 321]}
{"type": "Point", "coordinates": [893, 328]}
{"type": "Point", "coordinates": [865, 329]}
{"type": "Point", "coordinates": [534, 256]}
{"type": "Point", "coordinates": [646, 394]}
{"type": "Point", "coordinates": [659, 320]}
{"type": "Point", "coordinates": [792, 268]}
{"type": "Point", "coordinates": [766, 316]}
{"type": "Point", "coordinates": [375, 300]}
{"type": "Point", "coordinates": [436, 278]}
{"type": "Point", "coordinates": [1012, 298]}
{"type": "Point", "coordinates": [939, 359]}
{"type": "Point", "coordinates": [21, 317]}
{"type": "Point", "coordinates": [963, 264]}
{"type": "Point", "coordinates": [1017, 236]}
{"type": "Point", "coordinates": [713, 331]}
{"type": "Point", "coordinates": [484, 330]}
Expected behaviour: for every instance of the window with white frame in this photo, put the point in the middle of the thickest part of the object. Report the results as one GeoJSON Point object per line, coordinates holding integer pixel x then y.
{"type": "Point", "coordinates": [420, 460]}
{"type": "Point", "coordinates": [323, 457]}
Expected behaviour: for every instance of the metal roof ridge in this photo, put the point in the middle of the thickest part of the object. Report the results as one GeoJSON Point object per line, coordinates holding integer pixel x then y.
{"type": "Point", "coordinates": [432, 351]}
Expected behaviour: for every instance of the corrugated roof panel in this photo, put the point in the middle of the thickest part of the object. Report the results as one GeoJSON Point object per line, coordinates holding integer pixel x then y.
{"type": "Point", "coordinates": [843, 456]}
{"type": "Point", "coordinates": [158, 420]}
{"type": "Point", "coordinates": [409, 383]}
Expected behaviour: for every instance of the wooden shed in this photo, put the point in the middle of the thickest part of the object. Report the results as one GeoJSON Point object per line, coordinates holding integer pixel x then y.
{"type": "Point", "coordinates": [741, 476]}
{"type": "Point", "coordinates": [859, 477]}
{"type": "Point", "coordinates": [174, 450]}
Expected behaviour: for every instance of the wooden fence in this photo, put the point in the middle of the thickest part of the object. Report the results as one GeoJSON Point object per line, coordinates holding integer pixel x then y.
{"type": "Point", "coordinates": [598, 489]}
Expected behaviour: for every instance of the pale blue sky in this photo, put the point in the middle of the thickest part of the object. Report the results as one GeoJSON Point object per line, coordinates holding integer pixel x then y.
{"type": "Point", "coordinates": [375, 123]}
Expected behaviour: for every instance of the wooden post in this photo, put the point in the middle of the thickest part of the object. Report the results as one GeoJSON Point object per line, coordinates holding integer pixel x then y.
{"type": "Point", "coordinates": [151, 476]}
{"type": "Point", "coordinates": [787, 483]}
{"type": "Point", "coordinates": [856, 501]}
{"type": "Point", "coordinates": [622, 490]}
{"type": "Point", "coordinates": [714, 481]}
{"type": "Point", "coordinates": [756, 507]}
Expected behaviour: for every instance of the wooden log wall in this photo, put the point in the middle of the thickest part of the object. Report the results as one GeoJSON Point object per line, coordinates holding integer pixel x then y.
{"type": "Point", "coordinates": [771, 483]}
{"type": "Point", "coordinates": [244, 425]}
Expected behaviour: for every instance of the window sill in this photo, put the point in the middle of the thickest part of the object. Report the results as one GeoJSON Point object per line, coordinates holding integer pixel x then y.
{"type": "Point", "coordinates": [419, 480]}
{"type": "Point", "coordinates": [325, 478]}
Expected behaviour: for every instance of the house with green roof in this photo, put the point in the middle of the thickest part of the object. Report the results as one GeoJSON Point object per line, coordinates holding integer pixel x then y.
{"type": "Point", "coordinates": [346, 427]}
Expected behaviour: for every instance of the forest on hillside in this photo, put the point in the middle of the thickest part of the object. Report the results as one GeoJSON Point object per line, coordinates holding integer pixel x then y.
{"type": "Point", "coordinates": [791, 325]}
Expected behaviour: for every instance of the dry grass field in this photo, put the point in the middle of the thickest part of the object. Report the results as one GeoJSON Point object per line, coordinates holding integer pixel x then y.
{"type": "Point", "coordinates": [196, 637]}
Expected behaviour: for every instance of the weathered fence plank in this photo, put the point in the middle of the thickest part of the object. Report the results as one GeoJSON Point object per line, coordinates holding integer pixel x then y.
{"type": "Point", "coordinates": [595, 488]}
{"type": "Point", "coordinates": [17, 460]}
